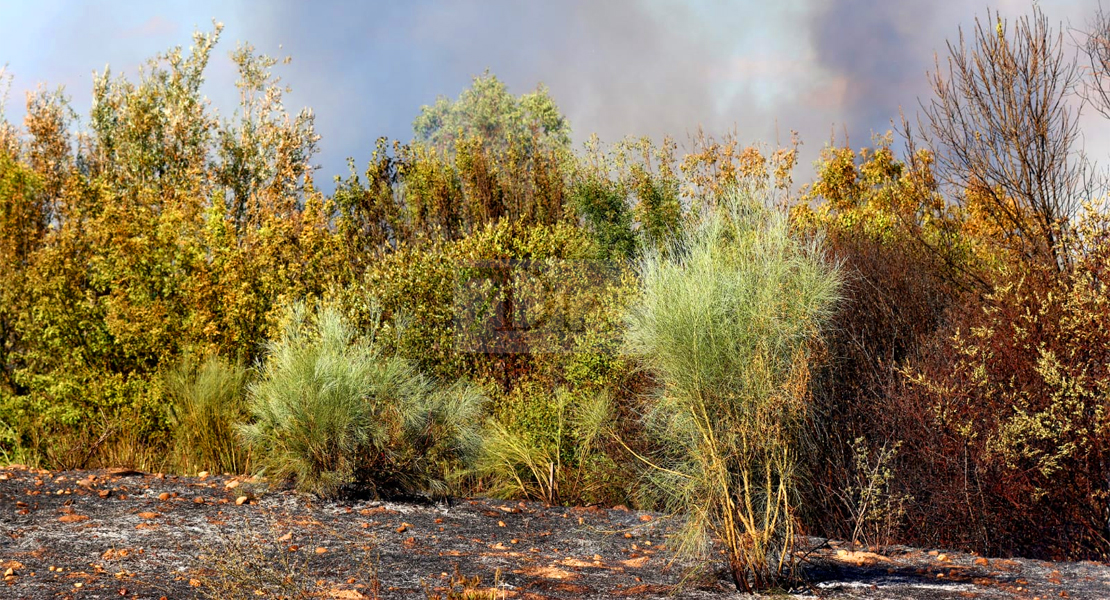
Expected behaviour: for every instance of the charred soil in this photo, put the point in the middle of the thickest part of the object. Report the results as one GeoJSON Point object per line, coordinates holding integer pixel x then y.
{"type": "Point", "coordinates": [117, 533]}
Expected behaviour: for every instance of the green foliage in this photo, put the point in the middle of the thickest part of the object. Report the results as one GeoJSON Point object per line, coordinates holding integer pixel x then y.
{"type": "Point", "coordinates": [330, 410]}
{"type": "Point", "coordinates": [545, 447]}
{"type": "Point", "coordinates": [23, 221]}
{"type": "Point", "coordinates": [160, 229]}
{"type": "Point", "coordinates": [727, 322]}
{"type": "Point", "coordinates": [207, 402]}
{"type": "Point", "coordinates": [958, 374]}
{"type": "Point", "coordinates": [263, 154]}
{"type": "Point", "coordinates": [603, 208]}
{"type": "Point", "coordinates": [489, 113]}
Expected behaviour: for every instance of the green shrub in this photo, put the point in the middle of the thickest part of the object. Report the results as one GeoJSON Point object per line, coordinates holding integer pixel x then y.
{"type": "Point", "coordinates": [333, 412]}
{"type": "Point", "coordinates": [545, 446]}
{"type": "Point", "coordinates": [207, 402]}
{"type": "Point", "coordinates": [83, 419]}
{"type": "Point", "coordinates": [11, 448]}
{"type": "Point", "coordinates": [602, 206]}
{"type": "Point", "coordinates": [727, 323]}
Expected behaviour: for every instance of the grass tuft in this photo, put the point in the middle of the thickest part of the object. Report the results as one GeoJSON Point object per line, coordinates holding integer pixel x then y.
{"type": "Point", "coordinates": [207, 401]}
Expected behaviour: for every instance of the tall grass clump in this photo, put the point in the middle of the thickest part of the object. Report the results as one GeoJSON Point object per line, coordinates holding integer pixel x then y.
{"type": "Point", "coordinates": [207, 402]}
{"type": "Point", "coordinates": [727, 322]}
{"type": "Point", "coordinates": [335, 414]}
{"type": "Point", "coordinates": [549, 461]}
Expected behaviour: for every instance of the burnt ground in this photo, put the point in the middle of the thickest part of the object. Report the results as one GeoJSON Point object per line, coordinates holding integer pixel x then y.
{"type": "Point", "coordinates": [113, 534]}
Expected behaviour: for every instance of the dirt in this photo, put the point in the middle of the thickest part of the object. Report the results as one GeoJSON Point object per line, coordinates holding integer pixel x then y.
{"type": "Point", "coordinates": [113, 534]}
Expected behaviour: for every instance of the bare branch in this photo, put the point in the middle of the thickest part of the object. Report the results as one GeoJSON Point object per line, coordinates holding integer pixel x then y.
{"type": "Point", "coordinates": [1005, 135]}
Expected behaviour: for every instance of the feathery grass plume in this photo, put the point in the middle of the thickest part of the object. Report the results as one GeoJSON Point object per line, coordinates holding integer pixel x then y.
{"type": "Point", "coordinates": [333, 413]}
{"type": "Point", "coordinates": [727, 322]}
{"type": "Point", "coordinates": [207, 403]}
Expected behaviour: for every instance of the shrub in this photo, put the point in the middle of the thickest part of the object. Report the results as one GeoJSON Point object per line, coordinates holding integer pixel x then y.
{"type": "Point", "coordinates": [603, 208]}
{"type": "Point", "coordinates": [544, 446]}
{"type": "Point", "coordinates": [334, 413]}
{"type": "Point", "coordinates": [409, 295]}
{"type": "Point", "coordinates": [727, 322]}
{"type": "Point", "coordinates": [902, 255]}
{"type": "Point", "coordinates": [874, 510]}
{"type": "Point", "coordinates": [207, 402]}
{"type": "Point", "coordinates": [162, 227]}
{"type": "Point", "coordinates": [1009, 455]}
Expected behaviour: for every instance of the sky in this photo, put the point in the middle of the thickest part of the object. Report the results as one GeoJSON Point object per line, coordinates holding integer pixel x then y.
{"type": "Point", "coordinates": [616, 68]}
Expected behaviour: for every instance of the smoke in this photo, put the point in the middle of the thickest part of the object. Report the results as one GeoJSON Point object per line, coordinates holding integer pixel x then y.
{"type": "Point", "coordinates": [616, 67]}
{"type": "Point", "coordinates": [881, 52]}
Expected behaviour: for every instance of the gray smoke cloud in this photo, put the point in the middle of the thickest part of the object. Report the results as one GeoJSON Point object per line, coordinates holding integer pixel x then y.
{"type": "Point", "coordinates": [877, 55]}
{"type": "Point", "coordinates": [616, 67]}
{"type": "Point", "coordinates": [880, 52]}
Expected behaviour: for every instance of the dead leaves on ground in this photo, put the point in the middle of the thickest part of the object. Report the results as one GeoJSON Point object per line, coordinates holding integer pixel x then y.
{"type": "Point", "coordinates": [860, 558]}
{"type": "Point", "coordinates": [546, 572]}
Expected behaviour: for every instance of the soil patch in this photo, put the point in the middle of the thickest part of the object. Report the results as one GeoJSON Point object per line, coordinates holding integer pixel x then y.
{"type": "Point", "coordinates": [113, 534]}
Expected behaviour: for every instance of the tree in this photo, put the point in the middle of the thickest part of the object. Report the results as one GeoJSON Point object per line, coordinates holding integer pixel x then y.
{"type": "Point", "coordinates": [488, 111]}
{"type": "Point", "coordinates": [1005, 134]}
{"type": "Point", "coordinates": [264, 153]}
{"type": "Point", "coordinates": [1096, 48]}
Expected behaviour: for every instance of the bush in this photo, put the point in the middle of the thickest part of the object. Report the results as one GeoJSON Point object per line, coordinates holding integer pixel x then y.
{"type": "Point", "coordinates": [728, 322]}
{"type": "Point", "coordinates": [546, 447]}
{"type": "Point", "coordinates": [207, 403]}
{"type": "Point", "coordinates": [902, 255]}
{"type": "Point", "coordinates": [1009, 455]}
{"type": "Point", "coordinates": [334, 414]}
{"type": "Point", "coordinates": [895, 297]}
{"type": "Point", "coordinates": [603, 208]}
